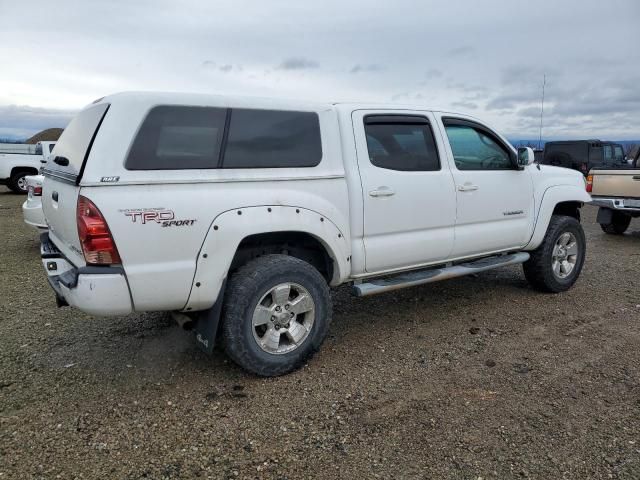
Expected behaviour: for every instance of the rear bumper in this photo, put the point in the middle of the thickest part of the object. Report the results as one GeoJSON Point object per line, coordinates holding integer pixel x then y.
{"type": "Point", "coordinates": [630, 205]}
{"type": "Point", "coordinates": [95, 290]}
{"type": "Point", "coordinates": [33, 215]}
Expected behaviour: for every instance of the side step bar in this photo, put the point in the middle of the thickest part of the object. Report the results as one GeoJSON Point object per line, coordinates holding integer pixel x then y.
{"type": "Point", "coordinates": [420, 277]}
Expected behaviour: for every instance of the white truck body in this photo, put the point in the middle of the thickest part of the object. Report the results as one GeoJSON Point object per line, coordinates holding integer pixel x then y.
{"type": "Point", "coordinates": [14, 167]}
{"type": "Point", "coordinates": [179, 232]}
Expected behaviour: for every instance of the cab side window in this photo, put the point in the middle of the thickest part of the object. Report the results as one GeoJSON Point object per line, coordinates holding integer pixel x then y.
{"type": "Point", "coordinates": [476, 149]}
{"type": "Point", "coordinates": [608, 154]}
{"type": "Point", "coordinates": [618, 154]}
{"type": "Point", "coordinates": [401, 142]}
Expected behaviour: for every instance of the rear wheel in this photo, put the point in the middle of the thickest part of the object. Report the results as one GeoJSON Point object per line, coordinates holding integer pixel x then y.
{"type": "Point", "coordinates": [618, 225]}
{"type": "Point", "coordinates": [276, 315]}
{"type": "Point", "coordinates": [18, 182]}
{"type": "Point", "coordinates": [556, 264]}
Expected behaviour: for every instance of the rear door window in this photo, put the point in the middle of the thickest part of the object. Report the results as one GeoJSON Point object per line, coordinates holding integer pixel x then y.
{"type": "Point", "coordinates": [177, 138]}
{"type": "Point", "coordinates": [399, 142]}
{"type": "Point", "coordinates": [75, 142]}
{"type": "Point", "coordinates": [272, 139]}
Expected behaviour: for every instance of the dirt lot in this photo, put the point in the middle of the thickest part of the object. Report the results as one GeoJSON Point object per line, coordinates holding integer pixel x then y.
{"type": "Point", "coordinates": [480, 377]}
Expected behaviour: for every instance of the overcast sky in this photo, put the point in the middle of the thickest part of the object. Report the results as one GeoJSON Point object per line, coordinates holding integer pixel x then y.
{"type": "Point", "coordinates": [484, 58]}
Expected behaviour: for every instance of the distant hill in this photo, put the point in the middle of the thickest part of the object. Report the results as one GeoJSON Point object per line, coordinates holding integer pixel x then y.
{"type": "Point", "coordinates": [48, 135]}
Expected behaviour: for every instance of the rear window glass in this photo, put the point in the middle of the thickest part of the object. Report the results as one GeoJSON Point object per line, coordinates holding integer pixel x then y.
{"type": "Point", "coordinates": [565, 154]}
{"type": "Point", "coordinates": [176, 137]}
{"type": "Point", "coordinates": [272, 139]}
{"type": "Point", "coordinates": [76, 139]}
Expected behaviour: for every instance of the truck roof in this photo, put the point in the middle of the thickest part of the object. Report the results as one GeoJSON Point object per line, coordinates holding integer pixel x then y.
{"type": "Point", "coordinates": [239, 101]}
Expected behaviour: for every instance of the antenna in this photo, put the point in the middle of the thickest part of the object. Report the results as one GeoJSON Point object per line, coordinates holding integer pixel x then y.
{"type": "Point", "coordinates": [544, 83]}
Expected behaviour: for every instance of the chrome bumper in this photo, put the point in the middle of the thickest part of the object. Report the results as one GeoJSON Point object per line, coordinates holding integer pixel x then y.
{"type": "Point", "coordinates": [630, 205]}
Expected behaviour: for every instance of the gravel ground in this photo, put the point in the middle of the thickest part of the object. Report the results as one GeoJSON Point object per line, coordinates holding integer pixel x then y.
{"type": "Point", "coordinates": [477, 377]}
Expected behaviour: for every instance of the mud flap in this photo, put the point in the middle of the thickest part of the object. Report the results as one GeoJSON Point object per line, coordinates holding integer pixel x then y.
{"type": "Point", "coordinates": [605, 216]}
{"type": "Point", "coordinates": [206, 323]}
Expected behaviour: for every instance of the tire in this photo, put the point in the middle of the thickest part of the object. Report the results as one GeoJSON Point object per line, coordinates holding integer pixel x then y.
{"type": "Point", "coordinates": [539, 269]}
{"type": "Point", "coordinates": [17, 182]}
{"type": "Point", "coordinates": [256, 290]}
{"type": "Point", "coordinates": [619, 224]}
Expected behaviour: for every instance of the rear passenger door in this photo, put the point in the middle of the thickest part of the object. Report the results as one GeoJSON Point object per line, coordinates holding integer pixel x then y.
{"type": "Point", "coordinates": [494, 196]}
{"type": "Point", "coordinates": [408, 191]}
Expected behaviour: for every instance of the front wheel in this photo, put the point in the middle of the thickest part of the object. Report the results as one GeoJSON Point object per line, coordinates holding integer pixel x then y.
{"type": "Point", "coordinates": [556, 264]}
{"type": "Point", "coordinates": [276, 314]}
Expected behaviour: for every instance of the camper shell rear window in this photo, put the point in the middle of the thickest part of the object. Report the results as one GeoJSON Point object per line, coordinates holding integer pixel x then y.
{"type": "Point", "coordinates": [174, 137]}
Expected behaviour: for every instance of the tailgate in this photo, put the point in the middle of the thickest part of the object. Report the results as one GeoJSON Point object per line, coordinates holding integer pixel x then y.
{"type": "Point", "coordinates": [62, 177]}
{"type": "Point", "coordinates": [616, 183]}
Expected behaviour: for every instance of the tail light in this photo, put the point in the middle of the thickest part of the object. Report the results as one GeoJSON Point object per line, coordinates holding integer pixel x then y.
{"type": "Point", "coordinates": [589, 183]}
{"type": "Point", "coordinates": [37, 191]}
{"type": "Point", "coordinates": [95, 237]}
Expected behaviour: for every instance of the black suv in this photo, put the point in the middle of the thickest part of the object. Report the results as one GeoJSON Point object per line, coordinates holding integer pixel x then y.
{"type": "Point", "coordinates": [583, 155]}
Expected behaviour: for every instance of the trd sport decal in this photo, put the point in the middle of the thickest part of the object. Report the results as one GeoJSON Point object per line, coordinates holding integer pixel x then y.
{"type": "Point", "coordinates": [162, 216]}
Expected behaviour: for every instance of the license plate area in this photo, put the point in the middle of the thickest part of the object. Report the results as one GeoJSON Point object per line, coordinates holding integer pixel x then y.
{"type": "Point", "coordinates": [52, 260]}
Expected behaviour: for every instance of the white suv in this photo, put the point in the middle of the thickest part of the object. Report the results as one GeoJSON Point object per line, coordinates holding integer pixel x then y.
{"type": "Point", "coordinates": [238, 214]}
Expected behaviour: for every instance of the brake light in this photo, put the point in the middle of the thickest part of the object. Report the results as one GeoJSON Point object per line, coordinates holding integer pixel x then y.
{"type": "Point", "coordinates": [97, 243]}
{"type": "Point", "coordinates": [37, 191]}
{"type": "Point", "coordinates": [589, 183]}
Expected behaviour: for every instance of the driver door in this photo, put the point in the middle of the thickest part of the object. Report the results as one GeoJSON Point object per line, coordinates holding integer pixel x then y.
{"type": "Point", "coordinates": [494, 198]}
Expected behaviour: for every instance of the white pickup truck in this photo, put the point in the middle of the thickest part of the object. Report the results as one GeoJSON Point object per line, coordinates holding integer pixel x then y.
{"type": "Point", "coordinates": [238, 214]}
{"type": "Point", "coordinates": [16, 163]}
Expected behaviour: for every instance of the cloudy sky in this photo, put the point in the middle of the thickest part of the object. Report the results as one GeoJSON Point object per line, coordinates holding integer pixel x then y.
{"type": "Point", "coordinates": [485, 58]}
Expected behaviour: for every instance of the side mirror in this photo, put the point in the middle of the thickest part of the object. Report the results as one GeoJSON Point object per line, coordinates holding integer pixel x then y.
{"type": "Point", "coordinates": [525, 156]}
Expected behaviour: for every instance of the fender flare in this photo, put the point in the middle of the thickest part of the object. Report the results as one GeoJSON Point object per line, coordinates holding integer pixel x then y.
{"type": "Point", "coordinates": [229, 228]}
{"type": "Point", "coordinates": [552, 197]}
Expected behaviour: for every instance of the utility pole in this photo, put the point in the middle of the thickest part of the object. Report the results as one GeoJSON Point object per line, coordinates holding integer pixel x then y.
{"type": "Point", "coordinates": [544, 83]}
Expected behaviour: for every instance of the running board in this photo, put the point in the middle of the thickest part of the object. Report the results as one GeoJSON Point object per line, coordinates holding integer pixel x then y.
{"type": "Point", "coordinates": [420, 277]}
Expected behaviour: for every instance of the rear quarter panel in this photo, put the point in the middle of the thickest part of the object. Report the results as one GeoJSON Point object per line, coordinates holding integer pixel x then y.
{"type": "Point", "coordinates": [159, 230]}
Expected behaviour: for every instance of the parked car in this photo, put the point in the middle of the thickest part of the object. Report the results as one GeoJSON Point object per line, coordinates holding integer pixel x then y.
{"type": "Point", "coordinates": [14, 167]}
{"type": "Point", "coordinates": [32, 207]}
{"type": "Point", "coordinates": [583, 155]}
{"type": "Point", "coordinates": [247, 211]}
{"type": "Point", "coordinates": [617, 193]}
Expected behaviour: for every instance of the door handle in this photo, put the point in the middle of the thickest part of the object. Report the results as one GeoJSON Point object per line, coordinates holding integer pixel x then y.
{"type": "Point", "coordinates": [382, 192]}
{"type": "Point", "coordinates": [467, 187]}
